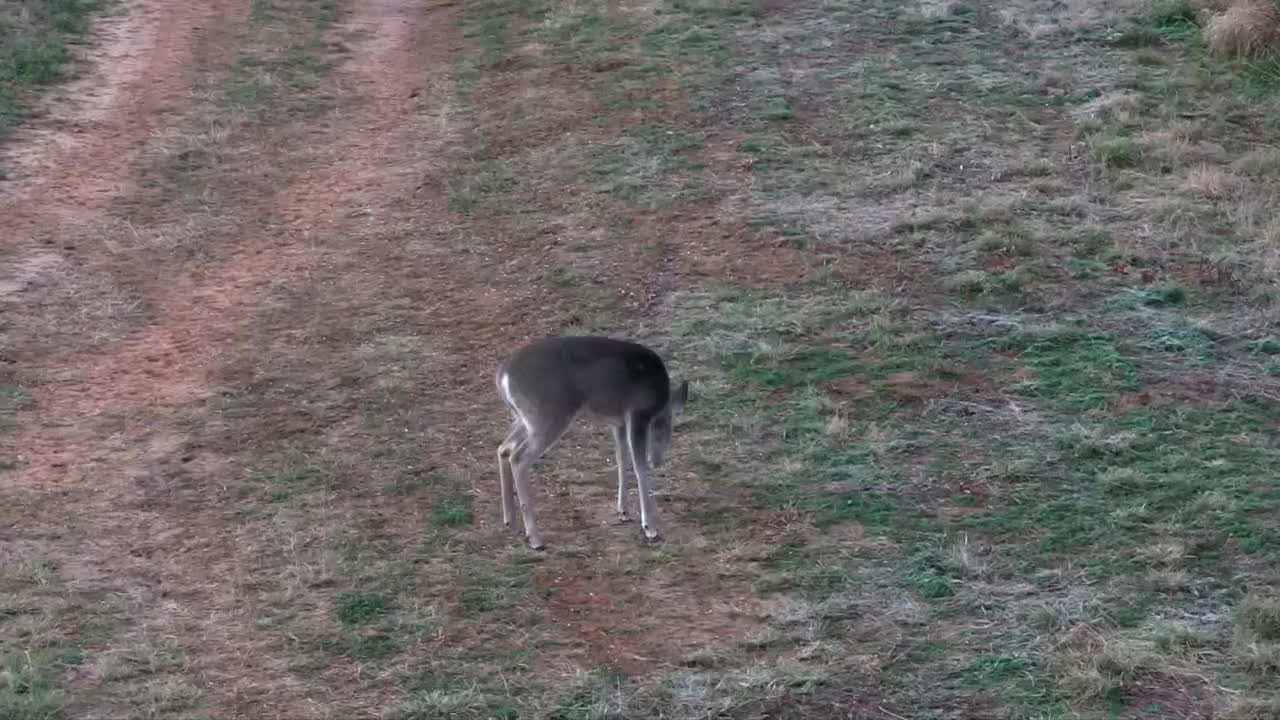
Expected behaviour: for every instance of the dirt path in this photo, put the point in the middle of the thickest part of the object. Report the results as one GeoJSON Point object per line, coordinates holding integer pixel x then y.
{"type": "Point", "coordinates": [180, 563]}
{"type": "Point", "coordinates": [82, 157]}
{"type": "Point", "coordinates": [65, 172]}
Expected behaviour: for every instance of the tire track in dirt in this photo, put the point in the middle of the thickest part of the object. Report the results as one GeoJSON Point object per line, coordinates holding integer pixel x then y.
{"type": "Point", "coordinates": [80, 157]}
{"type": "Point", "coordinates": [84, 155]}
{"type": "Point", "coordinates": [186, 572]}
{"type": "Point", "coordinates": [65, 171]}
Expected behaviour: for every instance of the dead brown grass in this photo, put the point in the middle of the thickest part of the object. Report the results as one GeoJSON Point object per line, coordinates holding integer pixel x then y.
{"type": "Point", "coordinates": [1119, 107]}
{"type": "Point", "coordinates": [1249, 28]}
{"type": "Point", "coordinates": [1210, 181]}
{"type": "Point", "coordinates": [1165, 553]}
{"type": "Point", "coordinates": [1028, 17]}
{"type": "Point", "coordinates": [938, 8]}
{"type": "Point", "coordinates": [1092, 663]}
{"type": "Point", "coordinates": [1267, 708]}
{"type": "Point", "coordinates": [1261, 658]}
{"type": "Point", "coordinates": [1167, 580]}
{"type": "Point", "coordinates": [1259, 617]}
{"type": "Point", "coordinates": [1171, 146]}
{"type": "Point", "coordinates": [1261, 162]}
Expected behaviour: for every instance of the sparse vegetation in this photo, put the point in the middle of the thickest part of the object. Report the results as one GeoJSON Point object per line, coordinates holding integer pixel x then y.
{"type": "Point", "coordinates": [977, 303]}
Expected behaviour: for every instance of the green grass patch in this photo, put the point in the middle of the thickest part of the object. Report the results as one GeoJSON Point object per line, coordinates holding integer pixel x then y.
{"type": "Point", "coordinates": [361, 608]}
{"type": "Point", "coordinates": [1194, 344]}
{"type": "Point", "coordinates": [35, 50]}
{"type": "Point", "coordinates": [1073, 370]}
{"type": "Point", "coordinates": [29, 689]}
{"type": "Point", "coordinates": [453, 511]}
{"type": "Point", "coordinates": [803, 366]}
{"type": "Point", "coordinates": [1156, 296]}
{"type": "Point", "coordinates": [1195, 469]}
{"type": "Point", "coordinates": [364, 648]}
{"type": "Point", "coordinates": [643, 169]}
{"type": "Point", "coordinates": [1261, 77]}
{"type": "Point", "coordinates": [37, 653]}
{"type": "Point", "coordinates": [13, 399]}
{"type": "Point", "coordinates": [1176, 20]}
{"type": "Point", "coordinates": [930, 575]}
{"type": "Point", "coordinates": [1115, 148]}
{"type": "Point", "coordinates": [981, 282]}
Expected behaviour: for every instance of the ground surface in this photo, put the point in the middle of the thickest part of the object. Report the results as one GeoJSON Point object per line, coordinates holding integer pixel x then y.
{"type": "Point", "coordinates": [979, 304]}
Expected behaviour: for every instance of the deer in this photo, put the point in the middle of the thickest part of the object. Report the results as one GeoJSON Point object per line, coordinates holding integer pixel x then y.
{"type": "Point", "coordinates": [550, 382]}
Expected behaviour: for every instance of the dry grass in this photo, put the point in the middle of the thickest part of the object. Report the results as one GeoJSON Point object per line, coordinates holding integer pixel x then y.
{"type": "Point", "coordinates": [1167, 580]}
{"type": "Point", "coordinates": [938, 8]}
{"type": "Point", "coordinates": [1262, 162]}
{"type": "Point", "coordinates": [1254, 709]}
{"type": "Point", "coordinates": [1092, 664]}
{"type": "Point", "coordinates": [48, 302]}
{"type": "Point", "coordinates": [1259, 618]}
{"type": "Point", "coordinates": [973, 559]}
{"type": "Point", "coordinates": [1260, 658]}
{"type": "Point", "coordinates": [1119, 107]}
{"type": "Point", "coordinates": [1210, 182]}
{"type": "Point", "coordinates": [1248, 29]}
{"type": "Point", "coordinates": [193, 235]}
{"type": "Point", "coordinates": [1055, 83]}
{"type": "Point", "coordinates": [1165, 553]}
{"type": "Point", "coordinates": [1029, 17]}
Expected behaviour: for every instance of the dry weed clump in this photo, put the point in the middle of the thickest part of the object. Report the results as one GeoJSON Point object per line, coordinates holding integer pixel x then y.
{"type": "Point", "coordinates": [1248, 29]}
{"type": "Point", "coordinates": [938, 8]}
{"type": "Point", "coordinates": [1259, 617]}
{"type": "Point", "coordinates": [1211, 182]}
{"type": "Point", "coordinates": [1267, 708]}
{"type": "Point", "coordinates": [1260, 162]}
{"type": "Point", "coordinates": [1091, 664]}
{"type": "Point", "coordinates": [1120, 107]}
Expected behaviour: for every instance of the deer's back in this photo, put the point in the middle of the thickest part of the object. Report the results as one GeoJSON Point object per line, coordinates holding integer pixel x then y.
{"type": "Point", "coordinates": [609, 378]}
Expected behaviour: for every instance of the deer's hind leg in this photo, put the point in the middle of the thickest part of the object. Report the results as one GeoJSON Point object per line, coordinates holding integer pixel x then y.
{"type": "Point", "coordinates": [540, 436]}
{"type": "Point", "coordinates": [620, 454]}
{"type": "Point", "coordinates": [505, 479]}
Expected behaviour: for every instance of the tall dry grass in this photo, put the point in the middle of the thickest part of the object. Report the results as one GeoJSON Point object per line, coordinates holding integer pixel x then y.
{"type": "Point", "coordinates": [1246, 29]}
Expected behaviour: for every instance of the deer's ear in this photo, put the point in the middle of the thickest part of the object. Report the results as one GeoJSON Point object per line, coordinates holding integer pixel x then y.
{"type": "Point", "coordinates": [680, 397]}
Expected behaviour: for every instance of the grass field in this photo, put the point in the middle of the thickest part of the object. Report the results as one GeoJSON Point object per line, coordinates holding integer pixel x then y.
{"type": "Point", "coordinates": [979, 308]}
{"type": "Point", "coordinates": [980, 305]}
